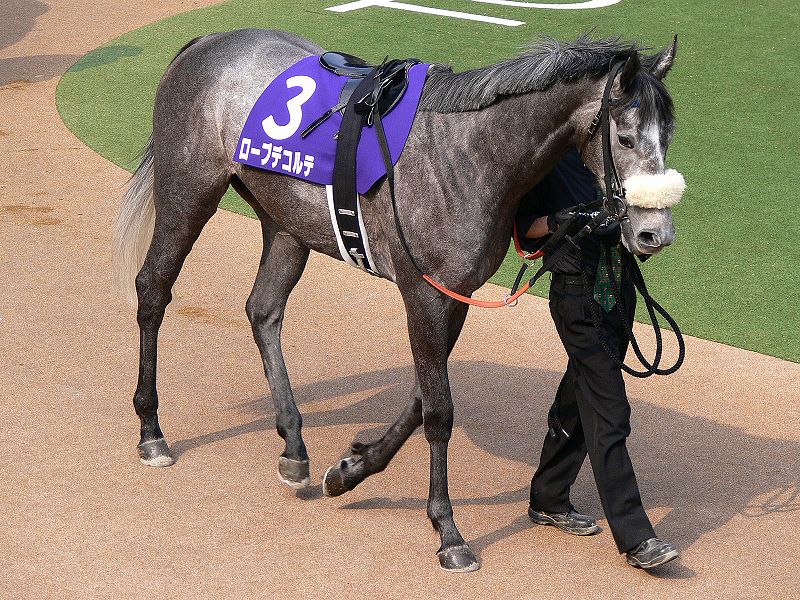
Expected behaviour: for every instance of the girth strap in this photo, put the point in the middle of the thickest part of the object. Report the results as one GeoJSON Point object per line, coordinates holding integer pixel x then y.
{"type": "Point", "coordinates": [345, 195]}
{"type": "Point", "coordinates": [375, 95]}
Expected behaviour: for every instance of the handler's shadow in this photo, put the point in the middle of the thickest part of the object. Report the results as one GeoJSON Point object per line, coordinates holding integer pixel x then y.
{"type": "Point", "coordinates": [705, 473]}
{"type": "Point", "coordinates": [19, 18]}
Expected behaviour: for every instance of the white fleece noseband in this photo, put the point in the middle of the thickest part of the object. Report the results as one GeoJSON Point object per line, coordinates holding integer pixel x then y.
{"type": "Point", "coordinates": [655, 191]}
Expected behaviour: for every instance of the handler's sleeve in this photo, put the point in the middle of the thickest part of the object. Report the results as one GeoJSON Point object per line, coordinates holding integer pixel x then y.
{"type": "Point", "coordinates": [532, 206]}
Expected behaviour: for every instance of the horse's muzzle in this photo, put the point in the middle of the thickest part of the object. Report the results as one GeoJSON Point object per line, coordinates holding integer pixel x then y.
{"type": "Point", "coordinates": [650, 242]}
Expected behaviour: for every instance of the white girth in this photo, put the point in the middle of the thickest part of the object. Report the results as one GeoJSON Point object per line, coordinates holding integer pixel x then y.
{"type": "Point", "coordinates": [655, 191]}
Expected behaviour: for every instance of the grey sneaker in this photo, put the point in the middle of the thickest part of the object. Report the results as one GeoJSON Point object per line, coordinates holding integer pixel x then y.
{"type": "Point", "coordinates": [651, 553]}
{"type": "Point", "coordinates": [570, 522]}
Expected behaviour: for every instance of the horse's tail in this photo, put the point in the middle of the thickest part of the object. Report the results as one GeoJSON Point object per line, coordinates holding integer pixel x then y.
{"type": "Point", "coordinates": [133, 229]}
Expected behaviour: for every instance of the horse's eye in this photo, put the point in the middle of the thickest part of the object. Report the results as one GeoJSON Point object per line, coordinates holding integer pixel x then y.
{"type": "Point", "coordinates": [626, 141]}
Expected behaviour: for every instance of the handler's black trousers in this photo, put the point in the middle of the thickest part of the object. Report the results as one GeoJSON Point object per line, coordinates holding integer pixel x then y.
{"type": "Point", "coordinates": [594, 410]}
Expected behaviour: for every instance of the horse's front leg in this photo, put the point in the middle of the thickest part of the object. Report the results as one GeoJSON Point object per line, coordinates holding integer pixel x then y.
{"type": "Point", "coordinates": [364, 460]}
{"type": "Point", "coordinates": [429, 323]}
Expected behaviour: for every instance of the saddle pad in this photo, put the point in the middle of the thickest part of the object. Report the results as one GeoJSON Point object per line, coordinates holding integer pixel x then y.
{"type": "Point", "coordinates": [271, 139]}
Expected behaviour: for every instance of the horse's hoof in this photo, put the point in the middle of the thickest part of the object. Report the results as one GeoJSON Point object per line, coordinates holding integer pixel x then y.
{"type": "Point", "coordinates": [155, 453]}
{"type": "Point", "coordinates": [458, 559]}
{"type": "Point", "coordinates": [294, 473]}
{"type": "Point", "coordinates": [333, 482]}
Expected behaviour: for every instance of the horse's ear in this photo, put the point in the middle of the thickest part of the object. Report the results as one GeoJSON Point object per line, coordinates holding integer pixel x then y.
{"type": "Point", "coordinates": [629, 71]}
{"type": "Point", "coordinates": [664, 59]}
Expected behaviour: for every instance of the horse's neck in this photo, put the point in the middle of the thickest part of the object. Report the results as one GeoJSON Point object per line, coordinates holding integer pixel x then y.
{"type": "Point", "coordinates": [510, 145]}
{"type": "Point", "coordinates": [475, 166]}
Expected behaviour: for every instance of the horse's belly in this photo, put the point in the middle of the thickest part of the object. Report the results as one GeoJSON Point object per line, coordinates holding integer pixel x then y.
{"type": "Point", "coordinates": [301, 209]}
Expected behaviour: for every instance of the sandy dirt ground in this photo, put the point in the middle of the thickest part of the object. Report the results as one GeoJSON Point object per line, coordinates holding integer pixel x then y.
{"type": "Point", "coordinates": [716, 446]}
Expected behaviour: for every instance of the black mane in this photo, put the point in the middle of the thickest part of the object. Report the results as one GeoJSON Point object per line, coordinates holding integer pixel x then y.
{"type": "Point", "coordinates": [541, 66]}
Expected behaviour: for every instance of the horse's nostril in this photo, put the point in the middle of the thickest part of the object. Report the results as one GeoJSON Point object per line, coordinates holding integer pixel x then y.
{"type": "Point", "coordinates": [649, 238]}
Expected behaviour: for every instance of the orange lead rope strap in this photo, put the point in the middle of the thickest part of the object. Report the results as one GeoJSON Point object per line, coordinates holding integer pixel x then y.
{"type": "Point", "coordinates": [509, 300]}
{"type": "Point", "coordinates": [525, 255]}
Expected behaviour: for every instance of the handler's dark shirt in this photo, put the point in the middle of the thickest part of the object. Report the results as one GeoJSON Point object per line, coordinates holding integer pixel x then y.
{"type": "Point", "coordinates": [568, 184]}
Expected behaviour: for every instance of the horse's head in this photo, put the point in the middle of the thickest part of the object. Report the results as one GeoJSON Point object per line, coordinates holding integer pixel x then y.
{"type": "Point", "coordinates": [641, 125]}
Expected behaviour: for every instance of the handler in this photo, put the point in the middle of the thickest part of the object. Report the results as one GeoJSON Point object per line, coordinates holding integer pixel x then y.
{"type": "Point", "coordinates": [591, 412]}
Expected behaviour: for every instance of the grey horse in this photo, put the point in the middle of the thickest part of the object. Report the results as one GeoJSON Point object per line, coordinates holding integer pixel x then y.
{"type": "Point", "coordinates": [481, 139]}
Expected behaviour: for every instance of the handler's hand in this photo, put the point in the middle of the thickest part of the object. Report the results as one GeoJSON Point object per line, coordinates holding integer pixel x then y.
{"type": "Point", "coordinates": [564, 216]}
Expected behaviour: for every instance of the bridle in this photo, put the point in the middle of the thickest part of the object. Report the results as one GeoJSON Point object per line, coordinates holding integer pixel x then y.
{"type": "Point", "coordinates": [613, 200]}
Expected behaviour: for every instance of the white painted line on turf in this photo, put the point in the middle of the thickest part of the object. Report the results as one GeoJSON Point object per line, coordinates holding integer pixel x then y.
{"type": "Point", "coordinates": [569, 6]}
{"type": "Point", "coordinates": [359, 4]}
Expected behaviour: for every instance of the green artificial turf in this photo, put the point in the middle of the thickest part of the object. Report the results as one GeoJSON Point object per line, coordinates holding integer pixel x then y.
{"type": "Point", "coordinates": [732, 275]}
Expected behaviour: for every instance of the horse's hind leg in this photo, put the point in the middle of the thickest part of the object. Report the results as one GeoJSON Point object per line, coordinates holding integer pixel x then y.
{"type": "Point", "coordinates": [282, 264]}
{"type": "Point", "coordinates": [367, 459]}
{"type": "Point", "coordinates": [182, 210]}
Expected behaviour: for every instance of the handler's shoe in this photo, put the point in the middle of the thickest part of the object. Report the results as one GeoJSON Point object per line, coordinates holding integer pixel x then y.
{"type": "Point", "coordinates": [570, 522]}
{"type": "Point", "coordinates": [651, 553]}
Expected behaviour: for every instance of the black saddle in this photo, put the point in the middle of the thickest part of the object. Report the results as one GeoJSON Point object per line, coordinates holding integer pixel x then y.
{"type": "Point", "coordinates": [345, 64]}
{"type": "Point", "coordinates": [391, 77]}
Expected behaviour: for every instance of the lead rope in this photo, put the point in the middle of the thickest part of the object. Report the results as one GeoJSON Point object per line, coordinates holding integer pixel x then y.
{"type": "Point", "coordinates": [554, 425]}
{"type": "Point", "coordinates": [652, 307]}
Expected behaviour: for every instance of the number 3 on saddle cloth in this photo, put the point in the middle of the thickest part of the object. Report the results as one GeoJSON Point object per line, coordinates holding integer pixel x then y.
{"type": "Point", "coordinates": [294, 128]}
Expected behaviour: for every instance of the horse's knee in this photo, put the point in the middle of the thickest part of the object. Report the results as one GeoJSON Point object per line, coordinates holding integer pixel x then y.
{"type": "Point", "coordinates": [263, 319]}
{"type": "Point", "coordinates": [438, 421]}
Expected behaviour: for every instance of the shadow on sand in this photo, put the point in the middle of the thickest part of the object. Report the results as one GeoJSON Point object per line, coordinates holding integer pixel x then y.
{"type": "Point", "coordinates": [18, 18]}
{"type": "Point", "coordinates": [704, 472]}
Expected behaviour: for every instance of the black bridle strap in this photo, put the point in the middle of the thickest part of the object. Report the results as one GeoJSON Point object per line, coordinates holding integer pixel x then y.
{"type": "Point", "coordinates": [614, 191]}
{"type": "Point", "coordinates": [613, 186]}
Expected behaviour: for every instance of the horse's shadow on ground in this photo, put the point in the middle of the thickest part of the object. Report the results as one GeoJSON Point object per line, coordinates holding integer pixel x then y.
{"type": "Point", "coordinates": [21, 17]}
{"type": "Point", "coordinates": [703, 472]}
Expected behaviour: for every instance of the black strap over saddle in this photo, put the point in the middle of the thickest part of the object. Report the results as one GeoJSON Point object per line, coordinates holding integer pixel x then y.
{"type": "Point", "coordinates": [394, 77]}
{"type": "Point", "coordinates": [369, 94]}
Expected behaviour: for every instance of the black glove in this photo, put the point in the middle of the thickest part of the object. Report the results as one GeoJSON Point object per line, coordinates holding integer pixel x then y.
{"type": "Point", "coordinates": [573, 218]}
{"type": "Point", "coordinates": [609, 234]}
{"type": "Point", "coordinates": [576, 217]}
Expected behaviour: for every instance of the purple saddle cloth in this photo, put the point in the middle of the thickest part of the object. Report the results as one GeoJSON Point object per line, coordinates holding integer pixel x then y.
{"type": "Point", "coordinates": [271, 139]}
